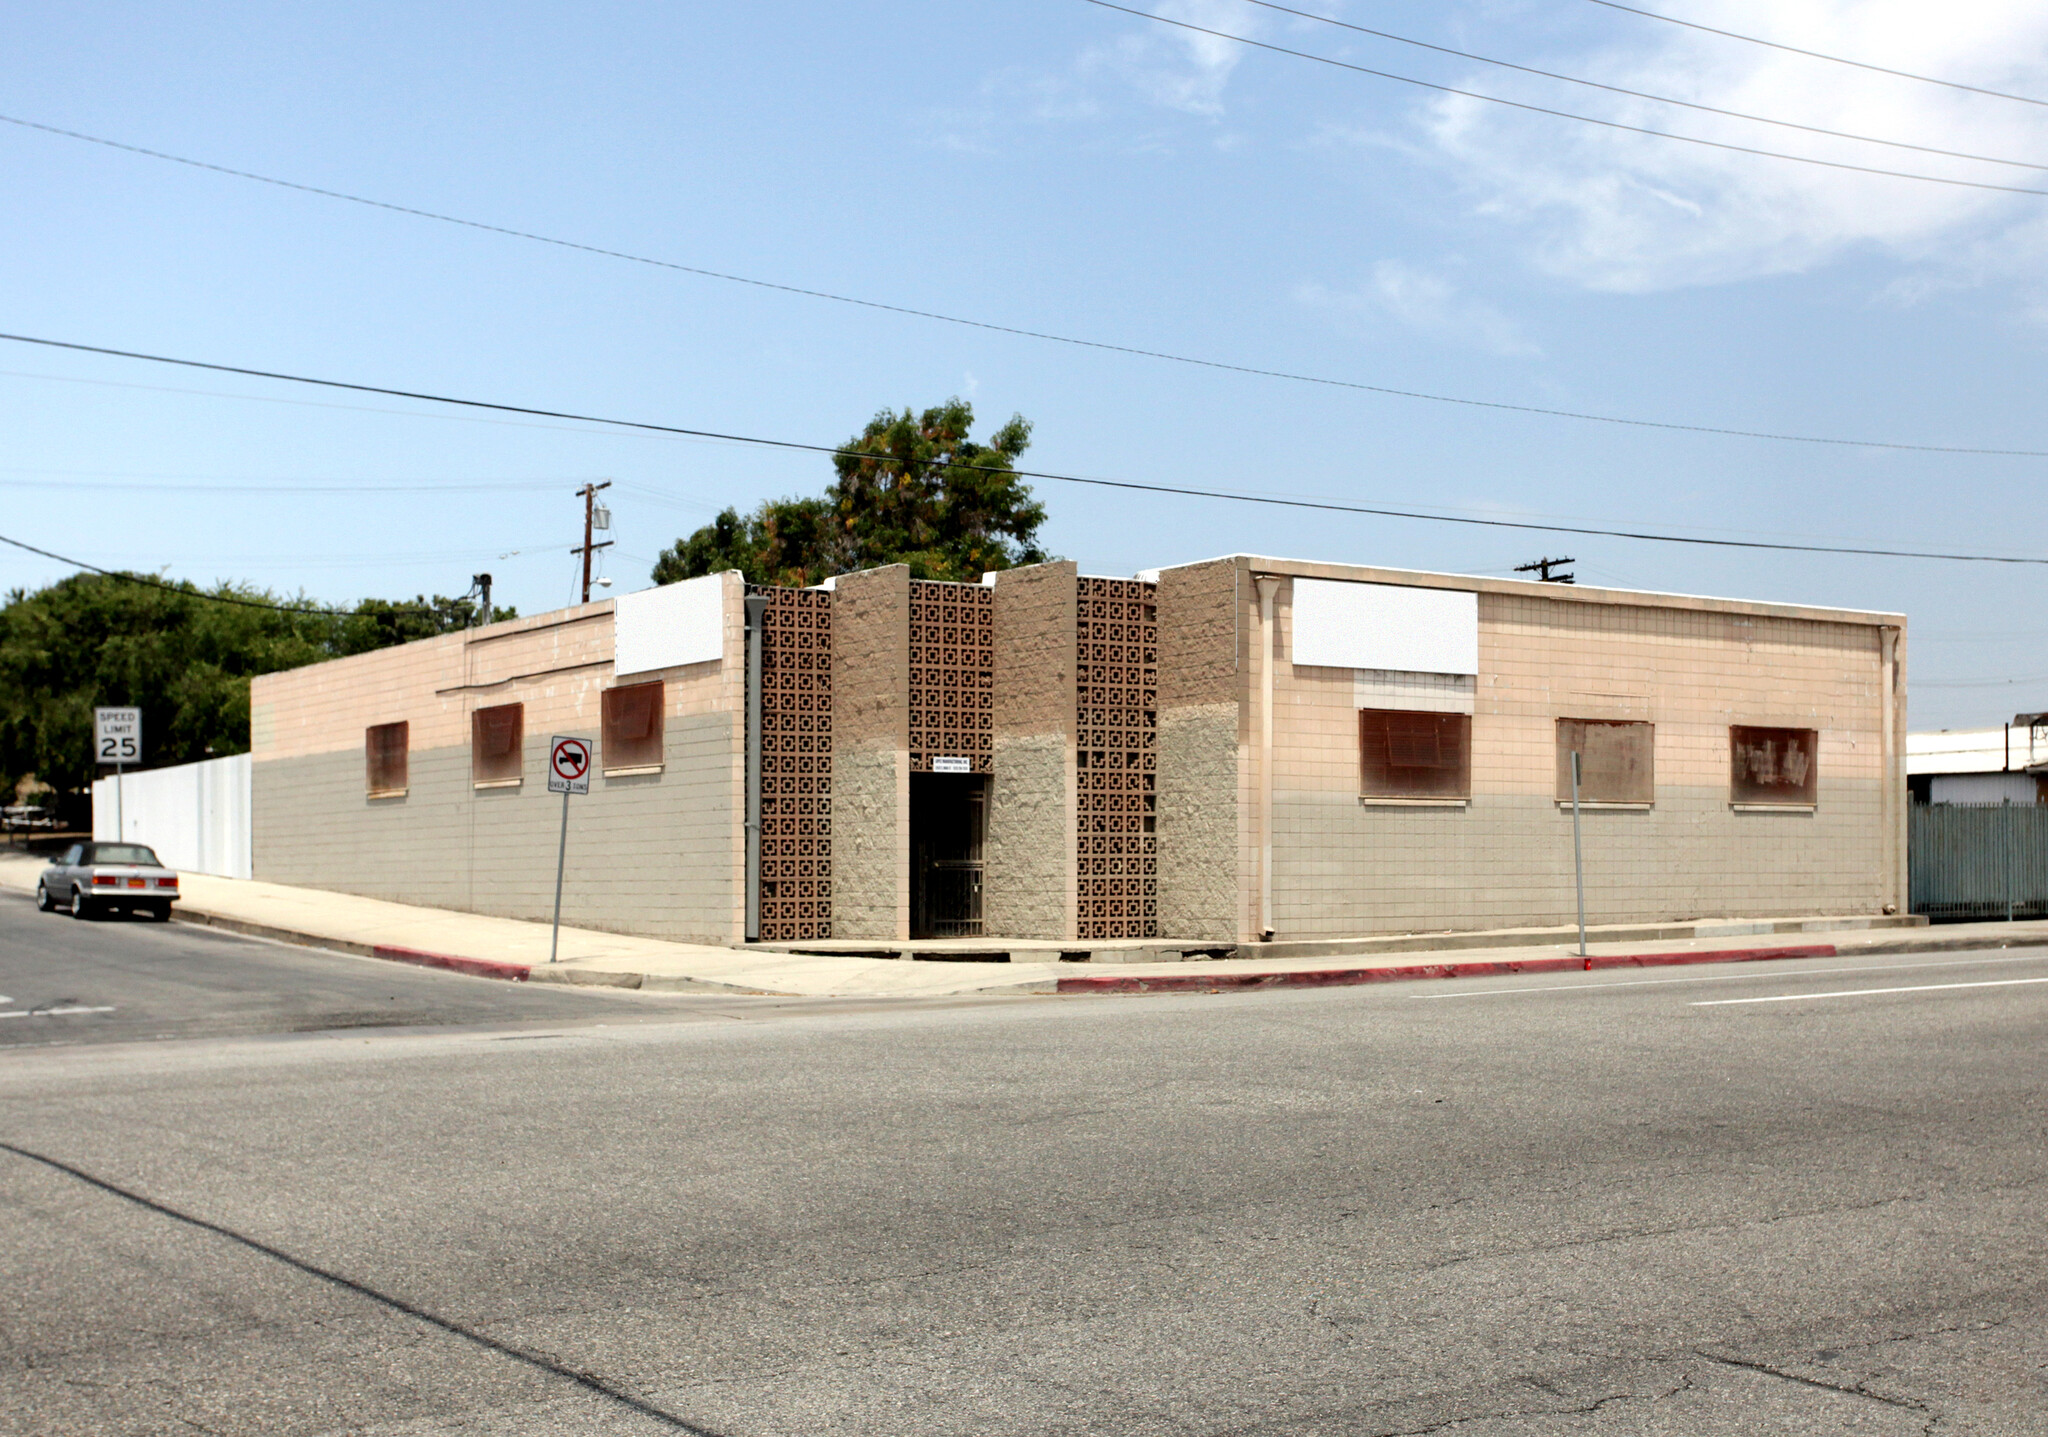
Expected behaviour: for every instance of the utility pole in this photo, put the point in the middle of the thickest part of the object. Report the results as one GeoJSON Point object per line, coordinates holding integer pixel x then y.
{"type": "Point", "coordinates": [1542, 567]}
{"type": "Point", "coordinates": [482, 584]}
{"type": "Point", "coordinates": [594, 515]}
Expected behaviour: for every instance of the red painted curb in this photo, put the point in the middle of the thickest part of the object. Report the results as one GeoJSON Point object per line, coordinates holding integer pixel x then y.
{"type": "Point", "coordinates": [1346, 977]}
{"type": "Point", "coordinates": [474, 967]}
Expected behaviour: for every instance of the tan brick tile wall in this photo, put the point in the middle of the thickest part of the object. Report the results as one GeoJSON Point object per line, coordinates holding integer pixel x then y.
{"type": "Point", "coordinates": [1342, 867]}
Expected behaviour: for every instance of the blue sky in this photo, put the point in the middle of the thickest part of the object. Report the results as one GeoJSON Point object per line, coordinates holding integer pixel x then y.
{"type": "Point", "coordinates": [1053, 166]}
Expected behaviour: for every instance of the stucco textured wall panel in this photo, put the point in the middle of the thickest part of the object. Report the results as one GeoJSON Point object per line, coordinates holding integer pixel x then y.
{"type": "Point", "coordinates": [1198, 822]}
{"type": "Point", "coordinates": [1029, 890]}
{"type": "Point", "coordinates": [871, 754]}
{"type": "Point", "coordinates": [870, 864]}
{"type": "Point", "coordinates": [1029, 853]}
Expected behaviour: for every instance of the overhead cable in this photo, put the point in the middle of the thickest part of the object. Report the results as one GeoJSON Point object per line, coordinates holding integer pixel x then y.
{"type": "Point", "coordinates": [1645, 95]}
{"type": "Point", "coordinates": [1565, 114]}
{"type": "Point", "coordinates": [647, 426]}
{"type": "Point", "coordinates": [240, 602]}
{"type": "Point", "coordinates": [1817, 55]}
{"type": "Point", "coordinates": [1103, 346]}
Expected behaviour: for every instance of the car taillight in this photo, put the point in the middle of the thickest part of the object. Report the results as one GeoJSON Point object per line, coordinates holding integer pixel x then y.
{"type": "Point", "coordinates": [171, 882]}
{"type": "Point", "coordinates": [105, 880]}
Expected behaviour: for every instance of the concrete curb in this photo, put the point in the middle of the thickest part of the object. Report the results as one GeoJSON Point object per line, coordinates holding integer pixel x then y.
{"type": "Point", "coordinates": [1347, 977]}
{"type": "Point", "coordinates": [1177, 980]}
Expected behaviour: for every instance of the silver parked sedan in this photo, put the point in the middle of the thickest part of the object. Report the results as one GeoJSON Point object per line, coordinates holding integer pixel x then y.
{"type": "Point", "coordinates": [93, 878]}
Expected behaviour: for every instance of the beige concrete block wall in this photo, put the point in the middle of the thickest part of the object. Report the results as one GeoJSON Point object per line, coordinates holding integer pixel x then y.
{"type": "Point", "coordinates": [1029, 887]}
{"type": "Point", "coordinates": [1344, 867]}
{"type": "Point", "coordinates": [656, 854]}
{"type": "Point", "coordinates": [871, 754]}
{"type": "Point", "coordinates": [1199, 751]}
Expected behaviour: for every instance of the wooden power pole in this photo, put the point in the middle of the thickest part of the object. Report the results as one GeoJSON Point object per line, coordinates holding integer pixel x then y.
{"type": "Point", "coordinates": [589, 493]}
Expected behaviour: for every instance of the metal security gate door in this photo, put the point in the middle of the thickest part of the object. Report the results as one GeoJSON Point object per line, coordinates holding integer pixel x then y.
{"type": "Point", "coordinates": [948, 814]}
{"type": "Point", "coordinates": [1978, 860]}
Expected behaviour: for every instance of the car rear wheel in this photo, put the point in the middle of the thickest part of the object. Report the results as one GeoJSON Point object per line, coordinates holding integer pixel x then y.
{"type": "Point", "coordinates": [81, 906]}
{"type": "Point", "coordinates": [157, 912]}
{"type": "Point", "coordinates": [43, 902]}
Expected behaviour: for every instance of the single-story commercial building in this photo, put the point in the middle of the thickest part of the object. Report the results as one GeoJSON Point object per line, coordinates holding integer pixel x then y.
{"type": "Point", "coordinates": [1214, 753]}
{"type": "Point", "coordinates": [2007, 764]}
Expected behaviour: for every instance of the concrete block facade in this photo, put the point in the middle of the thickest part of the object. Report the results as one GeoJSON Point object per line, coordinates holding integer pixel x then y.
{"type": "Point", "coordinates": [665, 853]}
{"type": "Point", "coordinates": [652, 853]}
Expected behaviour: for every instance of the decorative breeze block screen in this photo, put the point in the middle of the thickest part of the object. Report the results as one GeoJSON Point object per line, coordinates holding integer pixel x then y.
{"type": "Point", "coordinates": [1116, 677]}
{"type": "Point", "coordinates": [796, 764]}
{"type": "Point", "coordinates": [952, 674]}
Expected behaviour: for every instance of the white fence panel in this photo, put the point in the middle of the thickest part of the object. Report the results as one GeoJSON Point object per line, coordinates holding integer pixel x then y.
{"type": "Point", "coordinates": [196, 815]}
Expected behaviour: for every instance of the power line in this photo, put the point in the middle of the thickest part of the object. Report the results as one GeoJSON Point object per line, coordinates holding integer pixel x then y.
{"type": "Point", "coordinates": [1817, 55]}
{"type": "Point", "coordinates": [1565, 114]}
{"type": "Point", "coordinates": [235, 599]}
{"type": "Point", "coordinates": [1103, 346]}
{"type": "Point", "coordinates": [1644, 95]}
{"type": "Point", "coordinates": [1133, 485]}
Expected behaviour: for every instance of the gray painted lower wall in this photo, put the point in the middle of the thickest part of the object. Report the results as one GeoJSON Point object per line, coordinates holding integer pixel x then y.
{"type": "Point", "coordinates": [1029, 854]}
{"type": "Point", "coordinates": [1197, 827]}
{"type": "Point", "coordinates": [1341, 868]}
{"type": "Point", "coordinates": [651, 854]}
{"type": "Point", "coordinates": [869, 858]}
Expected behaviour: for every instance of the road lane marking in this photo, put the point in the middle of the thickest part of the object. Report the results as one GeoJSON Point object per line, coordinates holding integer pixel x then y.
{"type": "Point", "coordinates": [1866, 992]}
{"type": "Point", "coordinates": [52, 1012]}
{"type": "Point", "coordinates": [1724, 977]}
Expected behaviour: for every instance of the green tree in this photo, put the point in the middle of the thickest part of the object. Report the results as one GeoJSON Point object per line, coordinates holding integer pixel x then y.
{"type": "Point", "coordinates": [910, 489]}
{"type": "Point", "coordinates": [179, 653]}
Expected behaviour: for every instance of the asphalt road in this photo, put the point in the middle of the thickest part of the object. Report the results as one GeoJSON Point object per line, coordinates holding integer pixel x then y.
{"type": "Point", "coordinates": [1576, 1206]}
{"type": "Point", "coordinates": [117, 979]}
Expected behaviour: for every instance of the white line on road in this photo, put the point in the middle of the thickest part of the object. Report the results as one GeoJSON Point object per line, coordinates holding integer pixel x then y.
{"type": "Point", "coordinates": [1866, 992]}
{"type": "Point", "coordinates": [52, 1012]}
{"type": "Point", "coordinates": [1594, 983]}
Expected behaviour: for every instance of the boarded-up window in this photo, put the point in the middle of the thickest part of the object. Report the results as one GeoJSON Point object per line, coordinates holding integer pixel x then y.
{"type": "Point", "coordinates": [1773, 765]}
{"type": "Point", "coordinates": [1414, 755]}
{"type": "Point", "coordinates": [495, 737]}
{"type": "Point", "coordinates": [384, 746]}
{"type": "Point", "coordinates": [1616, 760]}
{"type": "Point", "coordinates": [632, 727]}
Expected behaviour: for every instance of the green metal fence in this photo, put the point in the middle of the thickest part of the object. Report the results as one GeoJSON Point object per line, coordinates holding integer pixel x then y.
{"type": "Point", "coordinates": [1978, 860]}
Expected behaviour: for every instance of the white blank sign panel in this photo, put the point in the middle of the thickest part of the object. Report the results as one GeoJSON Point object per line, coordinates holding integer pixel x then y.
{"type": "Point", "coordinates": [674, 624]}
{"type": "Point", "coordinates": [1386, 626]}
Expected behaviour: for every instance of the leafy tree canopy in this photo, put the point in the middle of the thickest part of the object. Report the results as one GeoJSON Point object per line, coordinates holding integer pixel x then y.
{"type": "Point", "coordinates": [184, 659]}
{"type": "Point", "coordinates": [911, 489]}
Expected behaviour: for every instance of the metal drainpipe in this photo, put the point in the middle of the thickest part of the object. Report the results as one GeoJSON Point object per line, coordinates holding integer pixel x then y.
{"type": "Point", "coordinates": [757, 608]}
{"type": "Point", "coordinates": [1893, 809]}
{"type": "Point", "coordinates": [1268, 587]}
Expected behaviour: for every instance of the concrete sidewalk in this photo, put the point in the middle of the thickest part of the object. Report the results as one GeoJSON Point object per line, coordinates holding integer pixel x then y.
{"type": "Point", "coordinates": [510, 949]}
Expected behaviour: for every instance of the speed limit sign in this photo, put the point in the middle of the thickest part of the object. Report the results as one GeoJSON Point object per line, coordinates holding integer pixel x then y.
{"type": "Point", "coordinates": [117, 735]}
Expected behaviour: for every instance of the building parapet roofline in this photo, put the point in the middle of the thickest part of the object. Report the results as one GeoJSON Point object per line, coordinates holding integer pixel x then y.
{"type": "Point", "coordinates": [1568, 593]}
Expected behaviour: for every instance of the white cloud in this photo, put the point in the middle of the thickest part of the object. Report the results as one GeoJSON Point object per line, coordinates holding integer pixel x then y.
{"type": "Point", "coordinates": [1176, 68]}
{"type": "Point", "coordinates": [1627, 212]}
{"type": "Point", "coordinates": [1427, 304]}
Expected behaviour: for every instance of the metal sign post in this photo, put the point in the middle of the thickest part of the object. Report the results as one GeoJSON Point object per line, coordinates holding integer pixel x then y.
{"type": "Point", "coordinates": [1578, 857]}
{"type": "Point", "coordinates": [117, 739]}
{"type": "Point", "coordinates": [568, 772]}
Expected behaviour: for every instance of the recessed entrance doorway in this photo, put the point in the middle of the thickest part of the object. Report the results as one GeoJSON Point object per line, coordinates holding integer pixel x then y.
{"type": "Point", "coordinates": [948, 818]}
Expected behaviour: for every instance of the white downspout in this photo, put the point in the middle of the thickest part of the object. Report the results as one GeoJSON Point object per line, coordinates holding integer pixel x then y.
{"type": "Point", "coordinates": [1268, 587]}
{"type": "Point", "coordinates": [1893, 809]}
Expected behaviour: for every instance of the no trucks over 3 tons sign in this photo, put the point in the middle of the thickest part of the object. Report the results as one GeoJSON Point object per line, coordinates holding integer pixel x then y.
{"type": "Point", "coordinates": [569, 761]}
